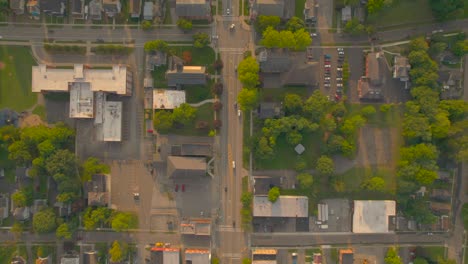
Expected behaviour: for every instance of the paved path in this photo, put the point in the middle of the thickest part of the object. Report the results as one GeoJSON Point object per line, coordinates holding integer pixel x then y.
{"type": "Point", "coordinates": [204, 102]}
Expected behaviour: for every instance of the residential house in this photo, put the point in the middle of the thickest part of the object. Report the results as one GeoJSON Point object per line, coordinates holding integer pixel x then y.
{"type": "Point", "coordinates": [310, 12]}
{"type": "Point", "coordinates": [111, 7]}
{"type": "Point", "coordinates": [148, 9]}
{"type": "Point", "coordinates": [269, 110]}
{"type": "Point", "coordinates": [95, 9]}
{"type": "Point", "coordinates": [264, 256]}
{"type": "Point", "coordinates": [346, 256]}
{"type": "Point", "coordinates": [450, 59]}
{"type": "Point", "coordinates": [401, 68]}
{"type": "Point", "coordinates": [90, 257]}
{"type": "Point", "coordinates": [440, 208]}
{"type": "Point", "coordinates": [46, 260]}
{"type": "Point", "coordinates": [135, 8]}
{"type": "Point", "coordinates": [77, 9]}
{"type": "Point", "coordinates": [370, 85]}
{"type": "Point", "coordinates": [156, 59]}
{"type": "Point", "coordinates": [97, 190]}
{"type": "Point", "coordinates": [451, 83]}
{"type": "Point", "coordinates": [22, 213]}
{"type": "Point", "coordinates": [62, 209]}
{"type": "Point", "coordinates": [17, 6]}
{"type": "Point", "coordinates": [193, 9]}
{"type": "Point", "coordinates": [178, 74]}
{"type": "Point", "coordinates": [8, 117]}
{"type": "Point", "coordinates": [33, 9]}
{"type": "Point", "coordinates": [271, 8]}
{"type": "Point", "coordinates": [53, 7]}
{"type": "Point", "coordinates": [70, 259]}
{"type": "Point", "coordinates": [317, 258]}
{"type": "Point", "coordinates": [441, 195]}
{"type": "Point", "coordinates": [197, 256]}
{"type": "Point", "coordinates": [186, 167]}
{"type": "Point", "coordinates": [18, 260]}
{"type": "Point", "coordinates": [346, 14]}
{"type": "Point", "coordinates": [162, 255]}
{"type": "Point", "coordinates": [4, 205]}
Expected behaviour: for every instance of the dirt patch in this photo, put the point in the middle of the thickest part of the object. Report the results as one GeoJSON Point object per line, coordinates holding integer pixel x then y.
{"type": "Point", "coordinates": [31, 120]}
{"type": "Point", "coordinates": [377, 147]}
{"type": "Point", "coordinates": [2, 65]}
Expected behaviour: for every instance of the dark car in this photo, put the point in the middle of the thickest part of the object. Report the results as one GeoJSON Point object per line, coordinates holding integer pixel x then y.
{"type": "Point", "coordinates": [183, 187]}
{"type": "Point", "coordinates": [177, 187]}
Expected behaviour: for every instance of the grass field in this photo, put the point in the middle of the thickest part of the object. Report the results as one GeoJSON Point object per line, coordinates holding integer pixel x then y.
{"type": "Point", "coordinates": [159, 77]}
{"type": "Point", "coordinates": [299, 8]}
{"type": "Point", "coordinates": [391, 118]}
{"type": "Point", "coordinates": [402, 12]}
{"type": "Point", "coordinates": [198, 93]}
{"type": "Point", "coordinates": [277, 94]}
{"type": "Point", "coordinates": [431, 253]}
{"type": "Point", "coordinates": [204, 113]}
{"type": "Point", "coordinates": [200, 57]}
{"type": "Point", "coordinates": [15, 78]}
{"type": "Point", "coordinates": [355, 176]}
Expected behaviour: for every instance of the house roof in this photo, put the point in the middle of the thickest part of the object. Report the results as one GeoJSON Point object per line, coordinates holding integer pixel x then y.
{"type": "Point", "coordinates": [402, 67]}
{"type": "Point", "coordinates": [111, 7]}
{"type": "Point", "coordinates": [21, 213]}
{"type": "Point", "coordinates": [186, 166]}
{"type": "Point", "coordinates": [167, 99]}
{"type": "Point", "coordinates": [309, 9]}
{"type": "Point", "coordinates": [98, 183]}
{"type": "Point", "coordinates": [270, 7]}
{"type": "Point", "coordinates": [301, 74]}
{"type": "Point", "coordinates": [18, 260]}
{"type": "Point", "coordinates": [274, 60]}
{"type": "Point", "coordinates": [70, 260]}
{"type": "Point", "coordinates": [135, 7]}
{"type": "Point", "coordinates": [90, 257]}
{"type": "Point", "coordinates": [264, 256]}
{"type": "Point", "coordinates": [186, 75]}
{"type": "Point", "coordinates": [197, 256]}
{"type": "Point", "coordinates": [441, 193]}
{"type": "Point", "coordinates": [441, 207]}
{"type": "Point", "coordinates": [17, 5]}
{"type": "Point", "coordinates": [95, 9]}
{"type": "Point", "coordinates": [269, 109]}
{"type": "Point", "coordinates": [202, 150]}
{"type": "Point", "coordinates": [77, 6]}
{"type": "Point", "coordinates": [193, 8]}
{"type": "Point", "coordinates": [158, 58]}
{"type": "Point", "coordinates": [372, 216]}
{"type": "Point", "coordinates": [165, 255]}
{"type": "Point", "coordinates": [148, 10]}
{"type": "Point", "coordinates": [56, 7]}
{"type": "Point", "coordinates": [285, 206]}
{"type": "Point", "coordinates": [346, 13]}
{"type": "Point", "coordinates": [367, 91]}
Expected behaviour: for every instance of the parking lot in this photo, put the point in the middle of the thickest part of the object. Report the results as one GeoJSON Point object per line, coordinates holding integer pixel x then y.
{"type": "Point", "coordinates": [193, 196]}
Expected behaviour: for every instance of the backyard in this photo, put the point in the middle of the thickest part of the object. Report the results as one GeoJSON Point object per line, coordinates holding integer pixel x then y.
{"type": "Point", "coordinates": [402, 13]}
{"type": "Point", "coordinates": [15, 78]}
{"type": "Point", "coordinates": [198, 93]}
{"type": "Point", "coordinates": [204, 113]}
{"type": "Point", "coordinates": [200, 56]}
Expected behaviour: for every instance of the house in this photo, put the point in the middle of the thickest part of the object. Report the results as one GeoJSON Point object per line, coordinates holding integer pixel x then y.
{"type": "Point", "coordinates": [95, 9]}
{"type": "Point", "coordinates": [46, 260]}
{"type": "Point", "coordinates": [77, 9]}
{"type": "Point", "coordinates": [373, 216]}
{"type": "Point", "coordinates": [90, 257]}
{"type": "Point", "coordinates": [156, 59]}
{"type": "Point", "coordinates": [38, 205]}
{"type": "Point", "coordinates": [440, 208]}
{"type": "Point", "coordinates": [270, 8]}
{"type": "Point", "coordinates": [451, 83]}
{"type": "Point", "coordinates": [70, 259]}
{"type": "Point", "coordinates": [17, 6]}
{"type": "Point", "coordinates": [193, 9]}
{"type": "Point", "coordinates": [62, 209]}
{"type": "Point", "coordinates": [186, 167]}
{"type": "Point", "coordinates": [167, 99]}
{"type": "Point", "coordinates": [346, 256]}
{"type": "Point", "coordinates": [148, 11]}
{"type": "Point", "coordinates": [162, 255]}
{"type": "Point", "coordinates": [269, 110]}
{"type": "Point", "coordinates": [401, 68]}
{"type": "Point", "coordinates": [4, 203]}
{"type": "Point", "coordinates": [274, 60]}
{"type": "Point", "coordinates": [197, 227]}
{"type": "Point", "coordinates": [450, 59]}
{"type": "Point", "coordinates": [33, 9]}
{"type": "Point", "coordinates": [18, 260]}
{"type": "Point", "coordinates": [317, 258]}
{"type": "Point", "coordinates": [346, 14]}
{"type": "Point", "coordinates": [197, 256]}
{"type": "Point", "coordinates": [97, 190]}
{"type": "Point", "coordinates": [135, 8]}
{"type": "Point", "coordinates": [300, 74]}
{"type": "Point", "coordinates": [310, 12]}
{"type": "Point", "coordinates": [54, 7]}
{"type": "Point", "coordinates": [8, 117]}
{"type": "Point", "coordinates": [370, 85]}
{"type": "Point", "coordinates": [111, 7]}
{"type": "Point", "coordinates": [441, 195]}
{"type": "Point", "coordinates": [179, 75]}
{"type": "Point", "coordinates": [285, 206]}
{"type": "Point", "coordinates": [21, 213]}
{"type": "Point", "coordinates": [264, 256]}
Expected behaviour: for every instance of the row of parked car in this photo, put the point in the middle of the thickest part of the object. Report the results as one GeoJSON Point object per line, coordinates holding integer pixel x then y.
{"type": "Point", "coordinates": [339, 74]}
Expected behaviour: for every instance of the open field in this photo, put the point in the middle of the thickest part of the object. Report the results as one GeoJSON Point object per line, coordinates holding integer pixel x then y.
{"type": "Point", "coordinates": [200, 57]}
{"type": "Point", "coordinates": [355, 176]}
{"type": "Point", "coordinates": [198, 93]}
{"type": "Point", "coordinates": [278, 94]}
{"type": "Point", "coordinates": [402, 12]}
{"type": "Point", "coordinates": [15, 78]}
{"type": "Point", "coordinates": [204, 113]}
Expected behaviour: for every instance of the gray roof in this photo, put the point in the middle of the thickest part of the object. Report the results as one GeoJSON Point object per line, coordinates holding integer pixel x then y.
{"type": "Point", "coordinates": [402, 68]}
{"type": "Point", "coordinates": [53, 7]}
{"type": "Point", "coordinates": [95, 9]}
{"type": "Point", "coordinates": [348, 258]}
{"type": "Point", "coordinates": [135, 8]}
{"type": "Point", "coordinates": [148, 11]}
{"type": "Point", "coordinates": [203, 150]}
{"type": "Point", "coordinates": [274, 60]}
{"type": "Point", "coordinates": [193, 8]}
{"type": "Point", "coordinates": [186, 75]}
{"type": "Point", "coordinates": [368, 92]}
{"type": "Point", "coordinates": [269, 110]}
{"type": "Point", "coordinates": [264, 183]}
{"type": "Point", "coordinates": [373, 68]}
{"type": "Point", "coordinates": [77, 6]}
{"type": "Point", "coordinates": [111, 7]}
{"type": "Point", "coordinates": [301, 73]}
{"type": "Point", "coordinates": [97, 183]}
{"type": "Point", "coordinates": [346, 13]}
{"type": "Point", "coordinates": [17, 6]}
{"type": "Point", "coordinates": [90, 257]}
{"type": "Point", "coordinates": [186, 166]}
{"type": "Point", "coordinates": [270, 7]}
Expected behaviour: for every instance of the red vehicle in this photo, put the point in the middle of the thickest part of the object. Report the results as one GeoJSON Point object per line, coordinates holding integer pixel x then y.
{"type": "Point", "coordinates": [183, 187]}
{"type": "Point", "coordinates": [177, 187]}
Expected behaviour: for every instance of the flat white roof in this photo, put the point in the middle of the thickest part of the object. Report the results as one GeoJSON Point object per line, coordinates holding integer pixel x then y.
{"type": "Point", "coordinates": [285, 206]}
{"type": "Point", "coordinates": [112, 121]}
{"type": "Point", "coordinates": [167, 99]}
{"type": "Point", "coordinates": [81, 100]}
{"type": "Point", "coordinates": [107, 80]}
{"type": "Point", "coordinates": [372, 216]}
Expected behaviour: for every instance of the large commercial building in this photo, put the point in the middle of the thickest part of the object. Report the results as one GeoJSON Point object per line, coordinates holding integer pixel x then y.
{"type": "Point", "coordinates": [373, 216]}
{"type": "Point", "coordinates": [285, 206]}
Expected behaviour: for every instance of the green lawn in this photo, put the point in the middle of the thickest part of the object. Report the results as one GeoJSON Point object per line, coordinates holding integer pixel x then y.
{"type": "Point", "coordinates": [355, 176]}
{"type": "Point", "coordinates": [299, 12]}
{"type": "Point", "coordinates": [403, 12]}
{"type": "Point", "coordinates": [200, 57]}
{"type": "Point", "coordinates": [277, 94]}
{"type": "Point", "coordinates": [6, 252]}
{"type": "Point", "coordinates": [391, 118]}
{"type": "Point", "coordinates": [431, 253]}
{"type": "Point", "coordinates": [167, 15]}
{"type": "Point", "coordinates": [15, 78]}
{"type": "Point", "coordinates": [40, 110]}
{"type": "Point", "coordinates": [159, 77]}
{"type": "Point", "coordinates": [198, 93]}
{"type": "Point", "coordinates": [204, 113]}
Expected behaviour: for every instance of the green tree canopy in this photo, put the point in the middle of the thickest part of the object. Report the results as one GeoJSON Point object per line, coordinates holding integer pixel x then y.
{"type": "Point", "coordinates": [354, 27]}
{"type": "Point", "coordinates": [302, 39]}
{"type": "Point", "coordinates": [263, 22]}
{"type": "Point", "coordinates": [419, 44]}
{"type": "Point", "coordinates": [63, 231]}
{"type": "Point", "coordinates": [305, 180]}
{"type": "Point", "coordinates": [246, 199]}
{"type": "Point", "coordinates": [316, 106]}
{"type": "Point", "coordinates": [293, 104]}
{"type": "Point", "coordinates": [184, 24]}
{"type": "Point", "coordinates": [248, 99]}
{"type": "Point", "coordinates": [19, 198]}
{"type": "Point", "coordinates": [294, 24]}
{"type": "Point", "coordinates": [44, 221]}
{"type": "Point", "coordinates": [163, 121]}
{"type": "Point", "coordinates": [374, 184]}
{"type": "Point", "coordinates": [184, 114]}
{"type": "Point", "coordinates": [271, 38]}
{"type": "Point", "coordinates": [325, 166]}
{"type": "Point", "coordinates": [93, 166]}
{"type": "Point", "coordinates": [201, 40]}
{"type": "Point", "coordinates": [464, 215]}
{"type": "Point", "coordinates": [116, 252]}
{"type": "Point", "coordinates": [156, 45]}
{"type": "Point", "coordinates": [273, 194]}
{"type": "Point", "coordinates": [123, 221]}
{"type": "Point", "coordinates": [392, 256]}
{"type": "Point", "coordinates": [146, 25]}
{"type": "Point", "coordinates": [442, 9]}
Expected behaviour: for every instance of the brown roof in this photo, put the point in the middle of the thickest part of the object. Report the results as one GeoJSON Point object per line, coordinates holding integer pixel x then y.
{"type": "Point", "coordinates": [373, 69]}
{"type": "Point", "coordinates": [185, 166]}
{"type": "Point", "coordinates": [443, 208]}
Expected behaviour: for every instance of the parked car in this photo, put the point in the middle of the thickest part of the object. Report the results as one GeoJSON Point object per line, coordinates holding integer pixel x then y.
{"type": "Point", "coordinates": [327, 78]}
{"type": "Point", "coordinates": [339, 69]}
{"type": "Point", "coordinates": [312, 35]}
{"type": "Point", "coordinates": [339, 85]}
{"type": "Point", "coordinates": [327, 66]}
{"type": "Point", "coordinates": [239, 112]}
{"type": "Point", "coordinates": [228, 12]}
{"type": "Point", "coordinates": [183, 187]}
{"type": "Point", "coordinates": [176, 187]}
{"type": "Point", "coordinates": [294, 258]}
{"type": "Point", "coordinates": [339, 79]}
{"type": "Point", "coordinates": [233, 164]}
{"type": "Point", "coordinates": [327, 56]}
{"type": "Point", "coordinates": [340, 49]}
{"type": "Point", "coordinates": [232, 27]}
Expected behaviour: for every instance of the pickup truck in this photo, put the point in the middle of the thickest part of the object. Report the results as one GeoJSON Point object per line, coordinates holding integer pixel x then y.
{"type": "Point", "coordinates": [294, 258]}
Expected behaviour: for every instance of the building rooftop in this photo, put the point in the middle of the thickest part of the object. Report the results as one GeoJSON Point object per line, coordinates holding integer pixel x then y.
{"type": "Point", "coordinates": [97, 190]}
{"type": "Point", "coordinates": [185, 75]}
{"type": "Point", "coordinates": [77, 7]}
{"type": "Point", "coordinates": [346, 13]}
{"type": "Point", "coordinates": [81, 100]}
{"type": "Point", "coordinates": [90, 257]}
{"type": "Point", "coordinates": [112, 121]}
{"type": "Point", "coordinates": [53, 7]}
{"type": "Point", "coordinates": [193, 8]}
{"type": "Point", "coordinates": [70, 260]}
{"type": "Point", "coordinates": [401, 68]}
{"type": "Point", "coordinates": [165, 255]}
{"type": "Point", "coordinates": [95, 9]}
{"type": "Point", "coordinates": [148, 8]}
{"type": "Point", "coordinates": [115, 80]}
{"type": "Point", "coordinates": [373, 68]}
{"type": "Point", "coordinates": [167, 99]}
{"type": "Point", "coordinates": [285, 206]}
{"type": "Point", "coordinates": [135, 8]}
{"type": "Point", "coordinates": [199, 227]}
{"type": "Point", "coordinates": [274, 61]}
{"type": "Point", "coordinates": [264, 256]}
{"type": "Point", "coordinates": [270, 7]}
{"type": "Point", "coordinates": [373, 216]}
{"type": "Point", "coordinates": [202, 150]}
{"type": "Point", "coordinates": [186, 166]}
{"type": "Point", "coordinates": [269, 110]}
{"type": "Point", "coordinates": [197, 256]}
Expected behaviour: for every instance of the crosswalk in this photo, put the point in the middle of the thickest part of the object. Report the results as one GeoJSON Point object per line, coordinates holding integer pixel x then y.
{"type": "Point", "coordinates": [228, 228]}
{"type": "Point", "coordinates": [241, 50]}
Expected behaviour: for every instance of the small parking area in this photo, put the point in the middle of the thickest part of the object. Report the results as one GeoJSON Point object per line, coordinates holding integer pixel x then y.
{"type": "Point", "coordinates": [193, 196]}
{"type": "Point", "coordinates": [339, 217]}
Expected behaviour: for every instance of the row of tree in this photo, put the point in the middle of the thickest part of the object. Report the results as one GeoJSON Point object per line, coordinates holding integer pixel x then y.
{"type": "Point", "coordinates": [184, 115]}
{"type": "Point", "coordinates": [100, 217]}
{"type": "Point", "coordinates": [247, 72]}
{"type": "Point", "coordinates": [263, 22]}
{"type": "Point", "coordinates": [297, 40]}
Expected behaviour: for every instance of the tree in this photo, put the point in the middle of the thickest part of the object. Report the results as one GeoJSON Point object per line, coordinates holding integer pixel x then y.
{"type": "Point", "coordinates": [392, 257]}
{"type": "Point", "coordinates": [19, 198]}
{"type": "Point", "coordinates": [368, 111]}
{"type": "Point", "coordinates": [62, 162]}
{"type": "Point", "coordinates": [460, 48]}
{"type": "Point", "coordinates": [218, 65]}
{"type": "Point", "coordinates": [146, 25]}
{"type": "Point", "coordinates": [246, 261]}
{"type": "Point", "coordinates": [116, 252]}
{"type": "Point", "coordinates": [63, 231]}
{"type": "Point", "coordinates": [374, 184]}
{"type": "Point", "coordinates": [123, 221]}
{"type": "Point", "coordinates": [325, 166]}
{"type": "Point", "coordinates": [248, 99]}
{"type": "Point", "coordinates": [201, 40]}
{"type": "Point", "coordinates": [214, 260]}
{"type": "Point", "coordinates": [184, 24]}
{"type": "Point", "coordinates": [418, 44]}
{"type": "Point", "coordinates": [217, 88]}
{"type": "Point", "coordinates": [419, 211]}
{"type": "Point", "coordinates": [273, 194]}
{"type": "Point", "coordinates": [93, 166]}
{"type": "Point", "coordinates": [287, 39]}
{"type": "Point", "coordinates": [156, 45]}
{"type": "Point", "coordinates": [302, 39]}
{"type": "Point", "coordinates": [184, 114]}
{"type": "Point", "coordinates": [436, 48]}
{"type": "Point", "coordinates": [263, 149]}
{"type": "Point", "coordinates": [316, 106]}
{"type": "Point", "coordinates": [442, 9]}
{"type": "Point", "coordinates": [271, 38]}
{"type": "Point", "coordinates": [44, 221]}
{"type": "Point", "coordinates": [248, 64]}
{"type": "Point", "coordinates": [305, 180]}
{"type": "Point", "coordinates": [292, 104]}
{"type": "Point", "coordinates": [163, 121]}
{"type": "Point", "coordinates": [19, 152]}
{"type": "Point", "coordinates": [445, 261]}
{"type": "Point", "coordinates": [263, 22]}
{"type": "Point", "coordinates": [217, 105]}
{"type": "Point", "coordinates": [246, 199]}
{"type": "Point", "coordinates": [294, 24]}
{"type": "Point", "coordinates": [354, 27]}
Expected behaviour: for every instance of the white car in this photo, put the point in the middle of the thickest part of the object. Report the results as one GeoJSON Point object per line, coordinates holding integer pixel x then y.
{"type": "Point", "coordinates": [339, 69]}
{"type": "Point", "coordinates": [339, 85]}
{"type": "Point", "coordinates": [239, 113]}
{"type": "Point", "coordinates": [312, 35]}
{"type": "Point", "coordinates": [339, 79]}
{"type": "Point", "coordinates": [327, 66]}
{"type": "Point", "coordinates": [228, 12]}
{"type": "Point", "coordinates": [339, 49]}
{"type": "Point", "coordinates": [233, 26]}
{"type": "Point", "coordinates": [327, 78]}
{"type": "Point", "coordinates": [233, 164]}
